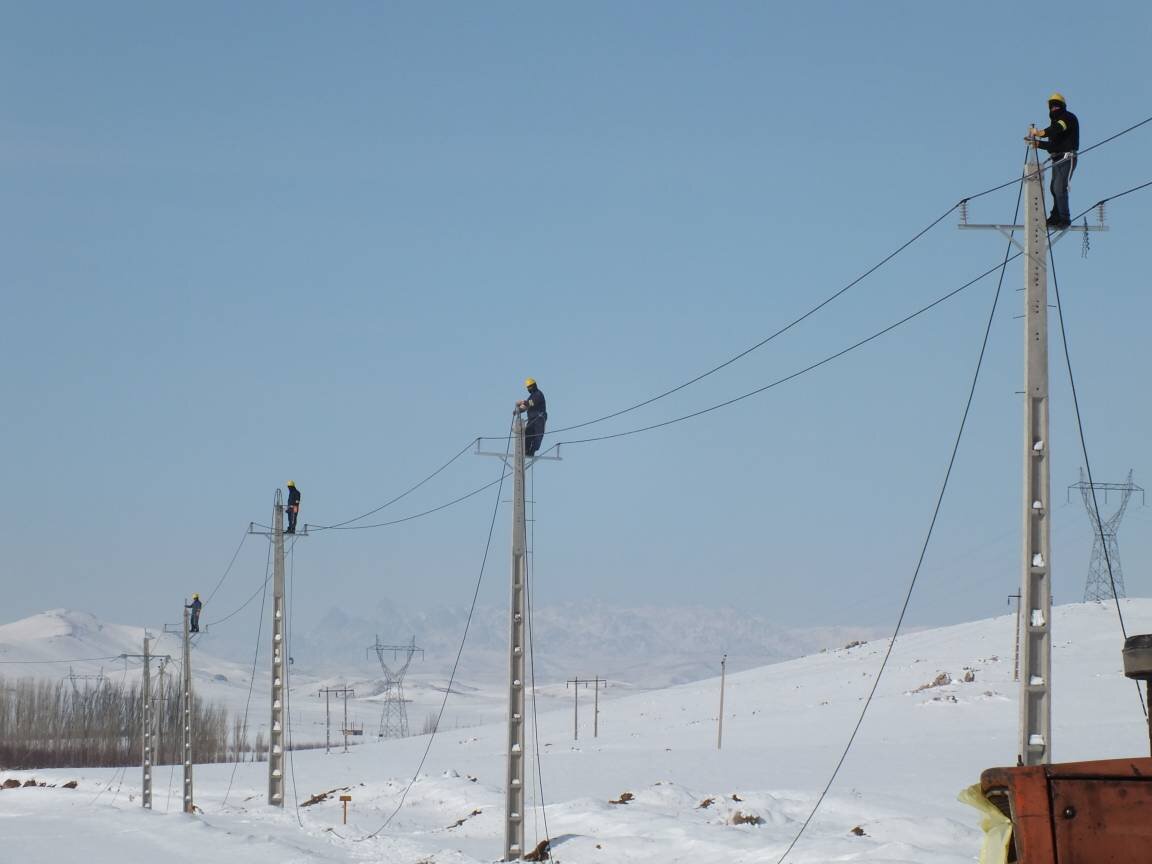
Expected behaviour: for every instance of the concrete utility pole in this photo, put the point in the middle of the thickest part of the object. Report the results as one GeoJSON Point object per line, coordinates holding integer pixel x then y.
{"type": "Point", "coordinates": [576, 683]}
{"type": "Point", "coordinates": [514, 781]}
{"type": "Point", "coordinates": [146, 729]}
{"type": "Point", "coordinates": [326, 692]}
{"type": "Point", "coordinates": [162, 699]}
{"type": "Point", "coordinates": [1036, 566]}
{"type": "Point", "coordinates": [279, 647]}
{"type": "Point", "coordinates": [514, 796]}
{"type": "Point", "coordinates": [276, 722]}
{"type": "Point", "coordinates": [1035, 740]}
{"type": "Point", "coordinates": [596, 682]}
{"type": "Point", "coordinates": [720, 725]}
{"type": "Point", "coordinates": [186, 718]}
{"type": "Point", "coordinates": [148, 751]}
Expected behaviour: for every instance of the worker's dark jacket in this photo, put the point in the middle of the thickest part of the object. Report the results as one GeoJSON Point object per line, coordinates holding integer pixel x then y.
{"type": "Point", "coordinates": [1063, 133]}
{"type": "Point", "coordinates": [195, 607]}
{"type": "Point", "coordinates": [293, 496]}
{"type": "Point", "coordinates": [536, 407]}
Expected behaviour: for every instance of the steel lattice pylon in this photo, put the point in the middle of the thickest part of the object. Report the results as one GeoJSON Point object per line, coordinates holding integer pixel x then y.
{"type": "Point", "coordinates": [394, 714]}
{"type": "Point", "coordinates": [1105, 548]}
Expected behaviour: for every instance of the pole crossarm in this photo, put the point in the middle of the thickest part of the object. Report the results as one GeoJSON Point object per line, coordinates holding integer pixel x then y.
{"type": "Point", "coordinates": [528, 463]}
{"type": "Point", "coordinates": [302, 532]}
{"type": "Point", "coordinates": [1010, 231]}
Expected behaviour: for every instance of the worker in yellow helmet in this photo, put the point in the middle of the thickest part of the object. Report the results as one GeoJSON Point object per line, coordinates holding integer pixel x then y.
{"type": "Point", "coordinates": [293, 507]}
{"type": "Point", "coordinates": [194, 618]}
{"type": "Point", "coordinates": [1063, 134]}
{"type": "Point", "coordinates": [535, 410]}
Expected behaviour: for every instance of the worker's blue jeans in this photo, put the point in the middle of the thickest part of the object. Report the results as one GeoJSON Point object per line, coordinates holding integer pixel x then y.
{"type": "Point", "coordinates": [1062, 170]}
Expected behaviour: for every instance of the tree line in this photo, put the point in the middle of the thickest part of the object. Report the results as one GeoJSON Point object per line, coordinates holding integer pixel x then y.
{"type": "Point", "coordinates": [56, 724]}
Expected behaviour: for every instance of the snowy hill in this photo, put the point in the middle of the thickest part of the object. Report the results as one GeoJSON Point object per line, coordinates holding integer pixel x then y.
{"type": "Point", "coordinates": [634, 649]}
{"type": "Point", "coordinates": [929, 732]}
{"type": "Point", "coordinates": [642, 647]}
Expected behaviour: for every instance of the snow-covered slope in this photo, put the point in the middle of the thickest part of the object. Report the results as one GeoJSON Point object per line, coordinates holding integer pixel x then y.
{"type": "Point", "coordinates": [785, 726]}
{"type": "Point", "coordinates": [633, 649]}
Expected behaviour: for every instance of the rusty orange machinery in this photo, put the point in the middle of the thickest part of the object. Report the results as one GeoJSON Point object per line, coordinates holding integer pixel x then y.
{"type": "Point", "coordinates": [1076, 812]}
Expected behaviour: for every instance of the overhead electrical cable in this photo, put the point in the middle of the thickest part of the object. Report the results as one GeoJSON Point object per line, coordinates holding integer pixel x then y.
{"type": "Point", "coordinates": [437, 509]}
{"type": "Point", "coordinates": [228, 569]}
{"type": "Point", "coordinates": [835, 295]}
{"type": "Point", "coordinates": [799, 372]}
{"type": "Point", "coordinates": [66, 660]}
{"type": "Point", "coordinates": [252, 676]}
{"type": "Point", "coordinates": [1084, 442]}
{"type": "Point", "coordinates": [459, 654]}
{"type": "Point", "coordinates": [254, 595]}
{"type": "Point", "coordinates": [780, 332]}
{"type": "Point", "coordinates": [924, 546]}
{"type": "Point", "coordinates": [403, 494]}
{"type": "Point", "coordinates": [939, 501]}
{"type": "Point", "coordinates": [288, 678]}
{"type": "Point", "coordinates": [718, 367]}
{"type": "Point", "coordinates": [772, 384]}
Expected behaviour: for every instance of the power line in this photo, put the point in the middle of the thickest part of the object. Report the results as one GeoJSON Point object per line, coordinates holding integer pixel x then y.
{"type": "Point", "coordinates": [831, 297]}
{"type": "Point", "coordinates": [65, 660]}
{"type": "Point", "coordinates": [228, 569]}
{"type": "Point", "coordinates": [532, 667]}
{"type": "Point", "coordinates": [812, 311]}
{"type": "Point", "coordinates": [403, 494]}
{"type": "Point", "coordinates": [423, 513]}
{"type": "Point", "coordinates": [291, 604]}
{"type": "Point", "coordinates": [345, 525]}
{"type": "Point", "coordinates": [1084, 441]}
{"type": "Point", "coordinates": [777, 382]}
{"type": "Point", "coordinates": [923, 548]}
{"type": "Point", "coordinates": [251, 677]}
{"type": "Point", "coordinates": [459, 654]}
{"type": "Point", "coordinates": [803, 371]}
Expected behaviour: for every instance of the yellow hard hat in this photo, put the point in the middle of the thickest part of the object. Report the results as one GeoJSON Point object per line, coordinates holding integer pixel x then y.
{"type": "Point", "coordinates": [291, 482]}
{"type": "Point", "coordinates": [195, 596]}
{"type": "Point", "coordinates": [529, 382]}
{"type": "Point", "coordinates": [1058, 97]}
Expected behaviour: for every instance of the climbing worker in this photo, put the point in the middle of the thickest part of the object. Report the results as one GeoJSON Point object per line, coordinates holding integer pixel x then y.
{"type": "Point", "coordinates": [293, 506]}
{"type": "Point", "coordinates": [195, 606]}
{"type": "Point", "coordinates": [1063, 134]}
{"type": "Point", "coordinates": [537, 416]}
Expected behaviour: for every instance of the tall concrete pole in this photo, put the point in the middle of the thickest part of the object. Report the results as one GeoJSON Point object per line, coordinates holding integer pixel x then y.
{"type": "Point", "coordinates": [146, 730]}
{"type": "Point", "coordinates": [345, 726]}
{"type": "Point", "coordinates": [720, 725]}
{"type": "Point", "coordinates": [186, 717]}
{"type": "Point", "coordinates": [1036, 565]}
{"type": "Point", "coordinates": [514, 796]}
{"type": "Point", "coordinates": [276, 724]}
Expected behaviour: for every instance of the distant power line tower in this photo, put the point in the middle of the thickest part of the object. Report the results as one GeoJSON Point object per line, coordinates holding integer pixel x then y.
{"type": "Point", "coordinates": [394, 715]}
{"type": "Point", "coordinates": [1105, 548]}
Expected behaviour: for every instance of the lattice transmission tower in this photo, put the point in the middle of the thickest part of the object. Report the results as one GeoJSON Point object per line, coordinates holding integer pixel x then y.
{"type": "Point", "coordinates": [1105, 548]}
{"type": "Point", "coordinates": [394, 714]}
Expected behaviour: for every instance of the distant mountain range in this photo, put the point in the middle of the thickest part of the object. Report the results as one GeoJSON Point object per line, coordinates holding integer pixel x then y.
{"type": "Point", "coordinates": [645, 646]}
{"type": "Point", "coordinates": [642, 647]}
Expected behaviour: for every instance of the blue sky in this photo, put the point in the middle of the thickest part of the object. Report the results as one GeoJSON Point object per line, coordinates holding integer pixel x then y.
{"type": "Point", "coordinates": [245, 243]}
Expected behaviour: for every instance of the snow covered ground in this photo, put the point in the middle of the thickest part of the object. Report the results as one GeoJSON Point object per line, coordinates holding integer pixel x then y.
{"type": "Point", "coordinates": [785, 726]}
